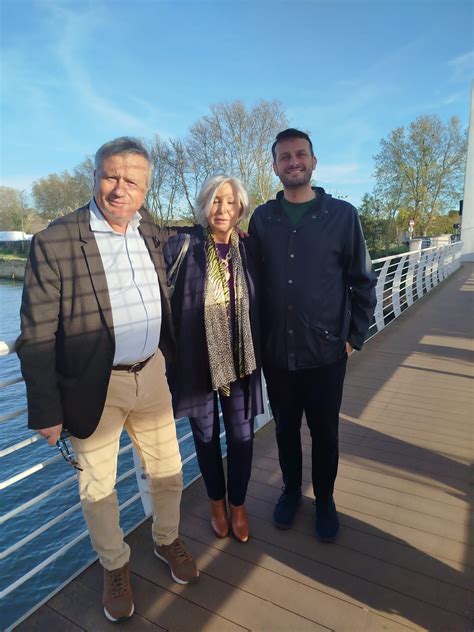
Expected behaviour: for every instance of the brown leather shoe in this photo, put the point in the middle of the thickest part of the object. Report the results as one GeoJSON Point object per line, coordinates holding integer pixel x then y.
{"type": "Point", "coordinates": [239, 523]}
{"type": "Point", "coordinates": [219, 518]}
{"type": "Point", "coordinates": [117, 597]}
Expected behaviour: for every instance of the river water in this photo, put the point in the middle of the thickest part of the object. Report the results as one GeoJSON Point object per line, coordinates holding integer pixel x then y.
{"type": "Point", "coordinates": [20, 562]}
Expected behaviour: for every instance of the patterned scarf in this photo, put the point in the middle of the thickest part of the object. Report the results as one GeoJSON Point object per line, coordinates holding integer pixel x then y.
{"type": "Point", "coordinates": [218, 322]}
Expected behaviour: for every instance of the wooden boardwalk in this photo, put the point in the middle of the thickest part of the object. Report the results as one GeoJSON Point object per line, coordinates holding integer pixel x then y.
{"type": "Point", "coordinates": [404, 559]}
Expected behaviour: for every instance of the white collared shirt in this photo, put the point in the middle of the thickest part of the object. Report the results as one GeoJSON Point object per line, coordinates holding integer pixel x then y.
{"type": "Point", "coordinates": [133, 288]}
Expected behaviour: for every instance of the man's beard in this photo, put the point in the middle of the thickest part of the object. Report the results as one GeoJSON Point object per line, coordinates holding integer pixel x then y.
{"type": "Point", "coordinates": [295, 183]}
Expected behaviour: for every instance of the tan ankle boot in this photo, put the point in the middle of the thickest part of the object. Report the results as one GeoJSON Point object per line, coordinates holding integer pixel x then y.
{"type": "Point", "coordinates": [239, 523]}
{"type": "Point", "coordinates": [219, 518]}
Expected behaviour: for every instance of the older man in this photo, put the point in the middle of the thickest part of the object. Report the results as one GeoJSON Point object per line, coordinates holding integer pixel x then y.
{"type": "Point", "coordinates": [95, 331]}
{"type": "Point", "coordinates": [318, 299]}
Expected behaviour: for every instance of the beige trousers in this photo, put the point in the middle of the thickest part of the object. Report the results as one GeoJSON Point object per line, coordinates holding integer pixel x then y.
{"type": "Point", "coordinates": [140, 403]}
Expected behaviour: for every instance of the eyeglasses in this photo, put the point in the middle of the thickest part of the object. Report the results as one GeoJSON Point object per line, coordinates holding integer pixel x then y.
{"type": "Point", "coordinates": [65, 452]}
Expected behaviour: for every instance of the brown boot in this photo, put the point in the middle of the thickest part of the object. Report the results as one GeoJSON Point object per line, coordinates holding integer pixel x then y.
{"type": "Point", "coordinates": [117, 598]}
{"type": "Point", "coordinates": [239, 523]}
{"type": "Point", "coordinates": [219, 518]}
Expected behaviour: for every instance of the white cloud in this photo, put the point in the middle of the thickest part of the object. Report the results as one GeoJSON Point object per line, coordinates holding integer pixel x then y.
{"type": "Point", "coordinates": [462, 67]}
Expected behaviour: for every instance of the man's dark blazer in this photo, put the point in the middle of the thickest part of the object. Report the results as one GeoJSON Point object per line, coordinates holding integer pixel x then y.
{"type": "Point", "coordinates": [67, 345]}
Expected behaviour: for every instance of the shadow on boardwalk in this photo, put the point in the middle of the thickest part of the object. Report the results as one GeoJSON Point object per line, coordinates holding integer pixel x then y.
{"type": "Point", "coordinates": [404, 559]}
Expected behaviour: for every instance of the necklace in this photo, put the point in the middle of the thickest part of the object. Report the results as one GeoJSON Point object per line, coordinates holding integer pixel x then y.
{"type": "Point", "coordinates": [225, 263]}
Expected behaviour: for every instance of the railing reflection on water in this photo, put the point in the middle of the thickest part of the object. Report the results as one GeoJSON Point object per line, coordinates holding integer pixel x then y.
{"type": "Point", "coordinates": [402, 280]}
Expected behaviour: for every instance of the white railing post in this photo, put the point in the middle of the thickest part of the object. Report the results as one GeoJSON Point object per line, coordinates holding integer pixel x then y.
{"type": "Point", "coordinates": [409, 279]}
{"type": "Point", "coordinates": [379, 292]}
{"type": "Point", "coordinates": [435, 275]}
{"type": "Point", "coordinates": [428, 270]}
{"type": "Point", "coordinates": [441, 268]}
{"type": "Point", "coordinates": [419, 275]}
{"type": "Point", "coordinates": [397, 285]}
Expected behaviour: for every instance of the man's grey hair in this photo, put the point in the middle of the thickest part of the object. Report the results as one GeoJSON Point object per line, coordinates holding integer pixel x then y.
{"type": "Point", "coordinates": [208, 192]}
{"type": "Point", "coordinates": [119, 147]}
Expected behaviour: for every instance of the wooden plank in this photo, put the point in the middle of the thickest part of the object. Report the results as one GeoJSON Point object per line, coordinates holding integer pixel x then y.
{"type": "Point", "coordinates": [47, 619]}
{"type": "Point", "coordinates": [157, 602]}
{"type": "Point", "coordinates": [218, 596]}
{"type": "Point", "coordinates": [452, 474]}
{"type": "Point", "coordinates": [414, 487]}
{"type": "Point", "coordinates": [84, 606]}
{"type": "Point", "coordinates": [251, 568]}
{"type": "Point", "coordinates": [432, 544]}
{"type": "Point", "coordinates": [366, 581]}
{"type": "Point", "coordinates": [416, 511]}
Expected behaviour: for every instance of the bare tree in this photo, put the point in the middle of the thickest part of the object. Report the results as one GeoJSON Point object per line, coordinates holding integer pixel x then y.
{"type": "Point", "coordinates": [164, 190]}
{"type": "Point", "coordinates": [235, 140]}
{"type": "Point", "coordinates": [191, 173]}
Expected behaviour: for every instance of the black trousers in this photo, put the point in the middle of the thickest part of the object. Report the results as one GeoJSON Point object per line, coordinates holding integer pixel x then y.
{"type": "Point", "coordinates": [317, 392]}
{"type": "Point", "coordinates": [239, 438]}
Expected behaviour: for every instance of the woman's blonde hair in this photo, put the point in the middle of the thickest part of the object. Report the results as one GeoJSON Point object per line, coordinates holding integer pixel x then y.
{"type": "Point", "coordinates": [208, 192]}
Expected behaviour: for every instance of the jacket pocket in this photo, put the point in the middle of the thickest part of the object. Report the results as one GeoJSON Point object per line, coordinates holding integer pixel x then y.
{"type": "Point", "coordinates": [325, 346]}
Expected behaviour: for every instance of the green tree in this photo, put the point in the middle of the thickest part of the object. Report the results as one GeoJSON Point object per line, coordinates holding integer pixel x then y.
{"type": "Point", "coordinates": [61, 193]}
{"type": "Point", "coordinates": [444, 224]}
{"type": "Point", "coordinates": [419, 171]}
{"type": "Point", "coordinates": [378, 226]}
{"type": "Point", "coordinates": [11, 209]}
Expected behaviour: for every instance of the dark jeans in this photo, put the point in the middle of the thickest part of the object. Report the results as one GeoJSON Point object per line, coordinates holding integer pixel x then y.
{"type": "Point", "coordinates": [239, 439]}
{"type": "Point", "coordinates": [317, 392]}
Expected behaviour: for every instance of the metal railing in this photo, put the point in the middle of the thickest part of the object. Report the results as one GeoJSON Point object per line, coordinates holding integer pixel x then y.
{"type": "Point", "coordinates": [402, 280]}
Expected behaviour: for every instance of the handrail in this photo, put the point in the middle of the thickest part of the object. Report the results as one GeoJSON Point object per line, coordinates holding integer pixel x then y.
{"type": "Point", "coordinates": [402, 280]}
{"type": "Point", "coordinates": [409, 252]}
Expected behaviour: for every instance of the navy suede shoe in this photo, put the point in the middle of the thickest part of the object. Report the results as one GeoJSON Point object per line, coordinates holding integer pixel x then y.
{"type": "Point", "coordinates": [286, 508]}
{"type": "Point", "coordinates": [327, 522]}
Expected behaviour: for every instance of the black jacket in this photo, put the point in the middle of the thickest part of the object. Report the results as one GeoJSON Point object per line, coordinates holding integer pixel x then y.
{"type": "Point", "coordinates": [190, 378]}
{"type": "Point", "coordinates": [317, 280]}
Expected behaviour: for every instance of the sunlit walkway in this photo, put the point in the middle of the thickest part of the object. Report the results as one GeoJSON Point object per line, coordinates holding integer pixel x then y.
{"type": "Point", "coordinates": [404, 559]}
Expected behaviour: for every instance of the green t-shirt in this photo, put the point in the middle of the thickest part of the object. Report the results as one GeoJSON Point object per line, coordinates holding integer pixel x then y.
{"type": "Point", "coordinates": [295, 211]}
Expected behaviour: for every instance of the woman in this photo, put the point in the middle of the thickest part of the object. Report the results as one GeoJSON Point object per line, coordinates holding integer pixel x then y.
{"type": "Point", "coordinates": [215, 312]}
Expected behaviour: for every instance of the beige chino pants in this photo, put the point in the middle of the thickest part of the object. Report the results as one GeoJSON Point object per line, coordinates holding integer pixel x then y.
{"type": "Point", "coordinates": [140, 403]}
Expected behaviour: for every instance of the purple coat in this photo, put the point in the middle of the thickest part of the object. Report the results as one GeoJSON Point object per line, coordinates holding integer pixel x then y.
{"type": "Point", "coordinates": [189, 377]}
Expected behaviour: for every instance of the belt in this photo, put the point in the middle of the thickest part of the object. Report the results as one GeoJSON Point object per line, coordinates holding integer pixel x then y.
{"type": "Point", "coordinates": [131, 368]}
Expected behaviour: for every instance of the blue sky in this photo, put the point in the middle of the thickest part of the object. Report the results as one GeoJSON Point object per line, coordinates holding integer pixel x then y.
{"type": "Point", "coordinates": [76, 74]}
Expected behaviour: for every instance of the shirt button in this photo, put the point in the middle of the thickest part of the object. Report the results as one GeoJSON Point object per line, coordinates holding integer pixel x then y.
{"type": "Point", "coordinates": [290, 331]}
{"type": "Point", "coordinates": [294, 230]}
{"type": "Point", "coordinates": [290, 281]}
{"type": "Point", "coordinates": [292, 255]}
{"type": "Point", "coordinates": [292, 355]}
{"type": "Point", "coordinates": [290, 307]}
